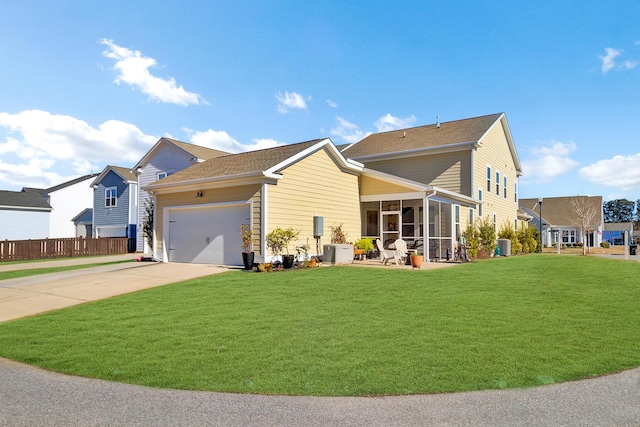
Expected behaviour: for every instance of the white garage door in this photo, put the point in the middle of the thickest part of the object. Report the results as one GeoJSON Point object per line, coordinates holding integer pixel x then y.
{"type": "Point", "coordinates": [208, 235]}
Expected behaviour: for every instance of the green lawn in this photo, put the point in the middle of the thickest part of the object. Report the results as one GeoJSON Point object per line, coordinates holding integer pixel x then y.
{"type": "Point", "coordinates": [501, 323]}
{"type": "Point", "coordinates": [32, 270]}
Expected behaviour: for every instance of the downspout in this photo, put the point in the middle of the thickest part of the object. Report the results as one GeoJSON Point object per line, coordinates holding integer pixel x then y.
{"type": "Point", "coordinates": [155, 226]}
{"type": "Point", "coordinates": [263, 223]}
{"type": "Point", "coordinates": [425, 221]}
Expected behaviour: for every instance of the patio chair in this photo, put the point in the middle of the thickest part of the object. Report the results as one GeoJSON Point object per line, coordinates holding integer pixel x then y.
{"type": "Point", "coordinates": [387, 254]}
{"type": "Point", "coordinates": [401, 248]}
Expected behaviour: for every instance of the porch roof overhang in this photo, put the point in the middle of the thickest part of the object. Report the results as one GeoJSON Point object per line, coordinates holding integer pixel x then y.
{"type": "Point", "coordinates": [415, 190]}
{"type": "Point", "coordinates": [255, 177]}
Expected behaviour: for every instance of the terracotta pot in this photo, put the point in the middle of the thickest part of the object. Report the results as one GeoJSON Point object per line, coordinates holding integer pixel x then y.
{"type": "Point", "coordinates": [416, 261]}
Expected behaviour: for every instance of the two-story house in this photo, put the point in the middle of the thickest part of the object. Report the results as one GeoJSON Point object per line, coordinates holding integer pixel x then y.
{"type": "Point", "coordinates": [387, 186]}
{"type": "Point", "coordinates": [165, 158]}
{"type": "Point", "coordinates": [115, 203]}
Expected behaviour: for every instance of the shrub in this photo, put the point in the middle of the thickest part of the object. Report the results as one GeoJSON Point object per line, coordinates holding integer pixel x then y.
{"type": "Point", "coordinates": [507, 232]}
{"type": "Point", "coordinates": [471, 241]}
{"type": "Point", "coordinates": [486, 235]}
{"type": "Point", "coordinates": [528, 238]}
{"type": "Point", "coordinates": [604, 245]}
{"type": "Point", "coordinates": [337, 235]}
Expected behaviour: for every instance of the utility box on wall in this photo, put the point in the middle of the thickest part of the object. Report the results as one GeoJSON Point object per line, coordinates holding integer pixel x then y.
{"type": "Point", "coordinates": [318, 226]}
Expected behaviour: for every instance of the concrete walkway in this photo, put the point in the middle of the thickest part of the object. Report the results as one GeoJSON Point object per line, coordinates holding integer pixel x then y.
{"type": "Point", "coordinates": [31, 295]}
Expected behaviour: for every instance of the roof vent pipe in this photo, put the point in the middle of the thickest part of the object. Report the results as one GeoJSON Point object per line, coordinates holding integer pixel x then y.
{"type": "Point", "coordinates": [438, 122]}
{"type": "Point", "coordinates": [404, 134]}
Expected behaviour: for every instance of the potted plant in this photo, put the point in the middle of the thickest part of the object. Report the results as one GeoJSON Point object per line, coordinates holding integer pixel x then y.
{"type": "Point", "coordinates": [279, 239]}
{"type": "Point", "coordinates": [416, 259]}
{"type": "Point", "coordinates": [362, 247]}
{"type": "Point", "coordinates": [247, 254]}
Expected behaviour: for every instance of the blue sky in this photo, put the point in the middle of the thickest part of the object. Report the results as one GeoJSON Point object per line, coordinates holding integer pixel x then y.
{"type": "Point", "coordinates": [86, 84]}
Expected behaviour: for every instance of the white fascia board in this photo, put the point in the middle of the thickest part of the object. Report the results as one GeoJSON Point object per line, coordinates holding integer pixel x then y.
{"type": "Point", "coordinates": [24, 208]}
{"type": "Point", "coordinates": [460, 146]}
{"type": "Point", "coordinates": [394, 196]}
{"type": "Point", "coordinates": [452, 195]}
{"type": "Point", "coordinates": [212, 182]}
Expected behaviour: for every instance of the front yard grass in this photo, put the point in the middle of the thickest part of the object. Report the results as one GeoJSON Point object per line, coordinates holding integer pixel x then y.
{"type": "Point", "coordinates": [33, 271]}
{"type": "Point", "coordinates": [501, 323]}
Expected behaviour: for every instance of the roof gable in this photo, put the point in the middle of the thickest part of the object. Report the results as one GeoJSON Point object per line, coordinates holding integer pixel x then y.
{"type": "Point", "coordinates": [438, 135]}
{"type": "Point", "coordinates": [260, 163]}
{"type": "Point", "coordinates": [124, 173]}
{"type": "Point", "coordinates": [196, 151]}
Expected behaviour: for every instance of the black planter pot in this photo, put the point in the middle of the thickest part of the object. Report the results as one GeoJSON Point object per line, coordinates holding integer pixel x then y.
{"type": "Point", "coordinates": [247, 260]}
{"type": "Point", "coordinates": [287, 261]}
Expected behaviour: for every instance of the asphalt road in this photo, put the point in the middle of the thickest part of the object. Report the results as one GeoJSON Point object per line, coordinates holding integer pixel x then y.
{"type": "Point", "coordinates": [34, 397]}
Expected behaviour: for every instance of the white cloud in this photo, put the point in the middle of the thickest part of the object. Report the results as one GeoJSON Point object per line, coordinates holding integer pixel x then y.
{"type": "Point", "coordinates": [388, 123]}
{"type": "Point", "coordinates": [548, 162]}
{"type": "Point", "coordinates": [40, 141]}
{"type": "Point", "coordinates": [288, 101]}
{"type": "Point", "coordinates": [221, 140]}
{"type": "Point", "coordinates": [134, 70]}
{"type": "Point", "coordinates": [609, 61]}
{"type": "Point", "coordinates": [349, 132]}
{"type": "Point", "coordinates": [621, 172]}
{"type": "Point", "coordinates": [331, 104]}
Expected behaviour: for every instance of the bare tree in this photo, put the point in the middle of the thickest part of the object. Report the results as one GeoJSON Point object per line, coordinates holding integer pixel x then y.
{"type": "Point", "coordinates": [587, 217]}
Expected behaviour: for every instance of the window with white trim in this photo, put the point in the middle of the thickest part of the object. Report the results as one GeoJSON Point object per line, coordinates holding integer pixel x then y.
{"type": "Point", "coordinates": [480, 205]}
{"type": "Point", "coordinates": [495, 221]}
{"type": "Point", "coordinates": [488, 179]}
{"type": "Point", "coordinates": [471, 216]}
{"type": "Point", "coordinates": [161, 175]}
{"type": "Point", "coordinates": [504, 186]}
{"type": "Point", "coordinates": [497, 183]}
{"type": "Point", "coordinates": [515, 192]}
{"type": "Point", "coordinates": [110, 197]}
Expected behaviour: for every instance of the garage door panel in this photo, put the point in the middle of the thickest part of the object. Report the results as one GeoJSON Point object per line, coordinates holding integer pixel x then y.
{"type": "Point", "coordinates": [207, 235]}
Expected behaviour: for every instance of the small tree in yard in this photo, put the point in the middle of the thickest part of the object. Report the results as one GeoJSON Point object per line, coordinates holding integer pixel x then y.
{"type": "Point", "coordinates": [486, 237]}
{"type": "Point", "coordinates": [586, 217]}
{"type": "Point", "coordinates": [147, 225]}
{"type": "Point", "coordinates": [471, 241]}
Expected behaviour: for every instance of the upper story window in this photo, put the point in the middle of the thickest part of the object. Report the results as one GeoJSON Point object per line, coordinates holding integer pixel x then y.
{"type": "Point", "coordinates": [488, 179]}
{"type": "Point", "coordinates": [161, 175]}
{"type": "Point", "coordinates": [110, 197]}
{"type": "Point", "coordinates": [497, 183]}
{"type": "Point", "coordinates": [515, 192]}
{"type": "Point", "coordinates": [504, 186]}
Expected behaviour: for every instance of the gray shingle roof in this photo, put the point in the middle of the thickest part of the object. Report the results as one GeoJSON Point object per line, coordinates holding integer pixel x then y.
{"type": "Point", "coordinates": [242, 163]}
{"type": "Point", "coordinates": [429, 136]}
{"type": "Point", "coordinates": [23, 199]}
{"type": "Point", "coordinates": [557, 211]}
{"type": "Point", "coordinates": [196, 150]}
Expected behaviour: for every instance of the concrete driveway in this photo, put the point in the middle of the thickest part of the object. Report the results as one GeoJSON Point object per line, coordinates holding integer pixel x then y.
{"type": "Point", "coordinates": [36, 294]}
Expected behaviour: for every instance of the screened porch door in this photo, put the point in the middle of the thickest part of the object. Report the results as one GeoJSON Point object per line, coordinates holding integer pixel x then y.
{"type": "Point", "coordinates": [390, 227]}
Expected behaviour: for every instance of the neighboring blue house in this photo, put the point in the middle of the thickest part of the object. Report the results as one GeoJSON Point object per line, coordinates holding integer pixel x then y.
{"type": "Point", "coordinates": [23, 215]}
{"type": "Point", "coordinates": [165, 158]}
{"type": "Point", "coordinates": [115, 203]}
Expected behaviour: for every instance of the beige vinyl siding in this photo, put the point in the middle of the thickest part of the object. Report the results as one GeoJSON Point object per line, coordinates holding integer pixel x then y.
{"type": "Point", "coordinates": [219, 195]}
{"type": "Point", "coordinates": [451, 171]}
{"type": "Point", "coordinates": [370, 186]}
{"type": "Point", "coordinates": [314, 186]}
{"type": "Point", "coordinates": [495, 152]}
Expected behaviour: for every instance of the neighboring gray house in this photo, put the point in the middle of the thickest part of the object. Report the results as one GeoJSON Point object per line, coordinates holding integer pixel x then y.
{"type": "Point", "coordinates": [560, 221]}
{"type": "Point", "coordinates": [165, 158]}
{"type": "Point", "coordinates": [83, 223]}
{"type": "Point", "coordinates": [23, 215]}
{"type": "Point", "coordinates": [115, 203]}
{"type": "Point", "coordinates": [68, 200]}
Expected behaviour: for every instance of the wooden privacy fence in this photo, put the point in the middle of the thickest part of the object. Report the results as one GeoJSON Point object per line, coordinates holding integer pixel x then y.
{"type": "Point", "coordinates": [23, 250]}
